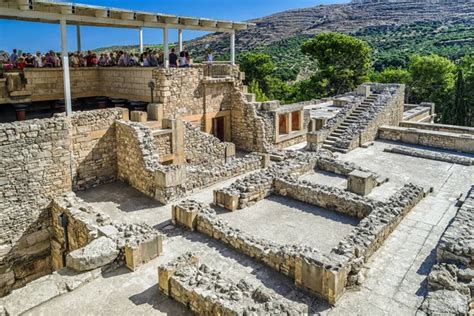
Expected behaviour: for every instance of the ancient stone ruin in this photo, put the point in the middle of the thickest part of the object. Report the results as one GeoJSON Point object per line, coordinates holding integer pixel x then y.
{"type": "Point", "coordinates": [212, 203]}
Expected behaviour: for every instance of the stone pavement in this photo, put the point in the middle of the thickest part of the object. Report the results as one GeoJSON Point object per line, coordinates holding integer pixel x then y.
{"type": "Point", "coordinates": [396, 274]}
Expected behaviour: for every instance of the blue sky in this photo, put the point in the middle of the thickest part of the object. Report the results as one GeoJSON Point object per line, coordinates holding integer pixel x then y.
{"type": "Point", "coordinates": [28, 36]}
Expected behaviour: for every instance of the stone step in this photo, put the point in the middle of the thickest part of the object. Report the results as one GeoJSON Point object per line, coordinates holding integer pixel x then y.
{"type": "Point", "coordinates": [332, 138]}
{"type": "Point", "coordinates": [329, 143]}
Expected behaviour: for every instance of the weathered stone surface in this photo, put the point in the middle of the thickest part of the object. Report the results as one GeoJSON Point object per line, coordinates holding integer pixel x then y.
{"type": "Point", "coordinates": [206, 291]}
{"type": "Point", "coordinates": [98, 253]}
{"type": "Point", "coordinates": [445, 302]}
{"type": "Point", "coordinates": [427, 154]}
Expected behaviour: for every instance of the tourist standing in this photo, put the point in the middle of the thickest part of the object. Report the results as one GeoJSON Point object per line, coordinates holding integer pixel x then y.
{"type": "Point", "coordinates": [173, 59]}
{"type": "Point", "coordinates": [38, 62]}
{"type": "Point", "coordinates": [14, 57]}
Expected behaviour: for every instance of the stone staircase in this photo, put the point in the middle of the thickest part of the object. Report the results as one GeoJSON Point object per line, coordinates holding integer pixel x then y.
{"type": "Point", "coordinates": [354, 117]}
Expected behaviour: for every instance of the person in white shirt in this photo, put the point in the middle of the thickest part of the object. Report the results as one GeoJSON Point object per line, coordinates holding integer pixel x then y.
{"type": "Point", "coordinates": [38, 61]}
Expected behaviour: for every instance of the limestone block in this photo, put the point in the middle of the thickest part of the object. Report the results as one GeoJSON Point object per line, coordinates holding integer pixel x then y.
{"type": "Point", "coordinates": [143, 252]}
{"type": "Point", "coordinates": [319, 122]}
{"type": "Point", "coordinates": [340, 102]}
{"type": "Point", "coordinates": [360, 182]}
{"type": "Point", "coordinates": [410, 136]}
{"type": "Point", "coordinates": [265, 162]}
{"type": "Point", "coordinates": [186, 217]}
{"type": "Point", "coordinates": [155, 111]}
{"type": "Point", "coordinates": [229, 150]}
{"type": "Point", "coordinates": [170, 178]}
{"type": "Point", "coordinates": [270, 105]}
{"type": "Point", "coordinates": [98, 253]}
{"type": "Point", "coordinates": [363, 90]}
{"type": "Point", "coordinates": [315, 138]}
{"type": "Point", "coordinates": [139, 116]}
{"type": "Point", "coordinates": [226, 200]}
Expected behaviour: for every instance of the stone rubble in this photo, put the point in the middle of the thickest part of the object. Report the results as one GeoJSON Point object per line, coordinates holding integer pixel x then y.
{"type": "Point", "coordinates": [207, 292]}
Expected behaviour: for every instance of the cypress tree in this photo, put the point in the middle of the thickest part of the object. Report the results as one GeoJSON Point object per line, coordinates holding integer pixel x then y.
{"type": "Point", "coordinates": [460, 111]}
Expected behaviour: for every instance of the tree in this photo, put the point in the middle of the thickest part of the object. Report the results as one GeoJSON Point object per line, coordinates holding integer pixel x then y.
{"type": "Point", "coordinates": [459, 113]}
{"type": "Point", "coordinates": [256, 66]}
{"type": "Point", "coordinates": [254, 87]}
{"type": "Point", "coordinates": [392, 75]}
{"type": "Point", "coordinates": [467, 66]}
{"type": "Point", "coordinates": [432, 81]}
{"type": "Point", "coordinates": [278, 89]}
{"type": "Point", "coordinates": [342, 60]}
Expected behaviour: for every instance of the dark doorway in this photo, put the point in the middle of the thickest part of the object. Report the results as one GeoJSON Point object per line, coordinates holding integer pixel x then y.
{"type": "Point", "coordinates": [218, 128]}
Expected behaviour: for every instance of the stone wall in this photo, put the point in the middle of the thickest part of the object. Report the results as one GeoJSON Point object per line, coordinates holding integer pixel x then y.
{"type": "Point", "coordinates": [450, 281]}
{"type": "Point", "coordinates": [47, 83]}
{"type": "Point", "coordinates": [439, 127]}
{"type": "Point", "coordinates": [248, 128]}
{"type": "Point", "coordinates": [187, 92]}
{"type": "Point", "coordinates": [198, 177]}
{"type": "Point", "coordinates": [257, 186]}
{"type": "Point", "coordinates": [115, 82]}
{"type": "Point", "coordinates": [293, 261]}
{"type": "Point", "coordinates": [326, 275]}
{"type": "Point", "coordinates": [201, 148]}
{"type": "Point", "coordinates": [35, 167]}
{"type": "Point", "coordinates": [326, 197]}
{"type": "Point", "coordinates": [138, 164]}
{"type": "Point", "coordinates": [423, 137]}
{"type": "Point", "coordinates": [94, 147]}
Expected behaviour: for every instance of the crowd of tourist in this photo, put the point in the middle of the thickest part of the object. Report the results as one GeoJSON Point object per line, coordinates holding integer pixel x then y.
{"type": "Point", "coordinates": [149, 58]}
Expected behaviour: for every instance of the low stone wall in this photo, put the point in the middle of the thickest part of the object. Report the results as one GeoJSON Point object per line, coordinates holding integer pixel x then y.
{"type": "Point", "coordinates": [255, 187]}
{"type": "Point", "coordinates": [456, 244]}
{"type": "Point", "coordinates": [372, 231]}
{"type": "Point", "coordinates": [444, 140]}
{"type": "Point", "coordinates": [203, 176]}
{"type": "Point", "coordinates": [294, 261]}
{"type": "Point", "coordinates": [326, 197]}
{"type": "Point", "coordinates": [139, 165]}
{"type": "Point", "coordinates": [326, 275]}
{"type": "Point", "coordinates": [207, 292]}
{"type": "Point", "coordinates": [439, 127]}
{"type": "Point", "coordinates": [426, 154]}
{"type": "Point", "coordinates": [344, 168]}
{"type": "Point", "coordinates": [450, 281]}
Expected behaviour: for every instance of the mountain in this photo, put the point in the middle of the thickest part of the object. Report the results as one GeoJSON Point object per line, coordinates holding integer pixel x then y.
{"type": "Point", "coordinates": [398, 28]}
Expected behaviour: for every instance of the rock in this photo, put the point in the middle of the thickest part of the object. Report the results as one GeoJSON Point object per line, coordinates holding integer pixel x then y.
{"type": "Point", "coordinates": [444, 302]}
{"type": "Point", "coordinates": [98, 253]}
